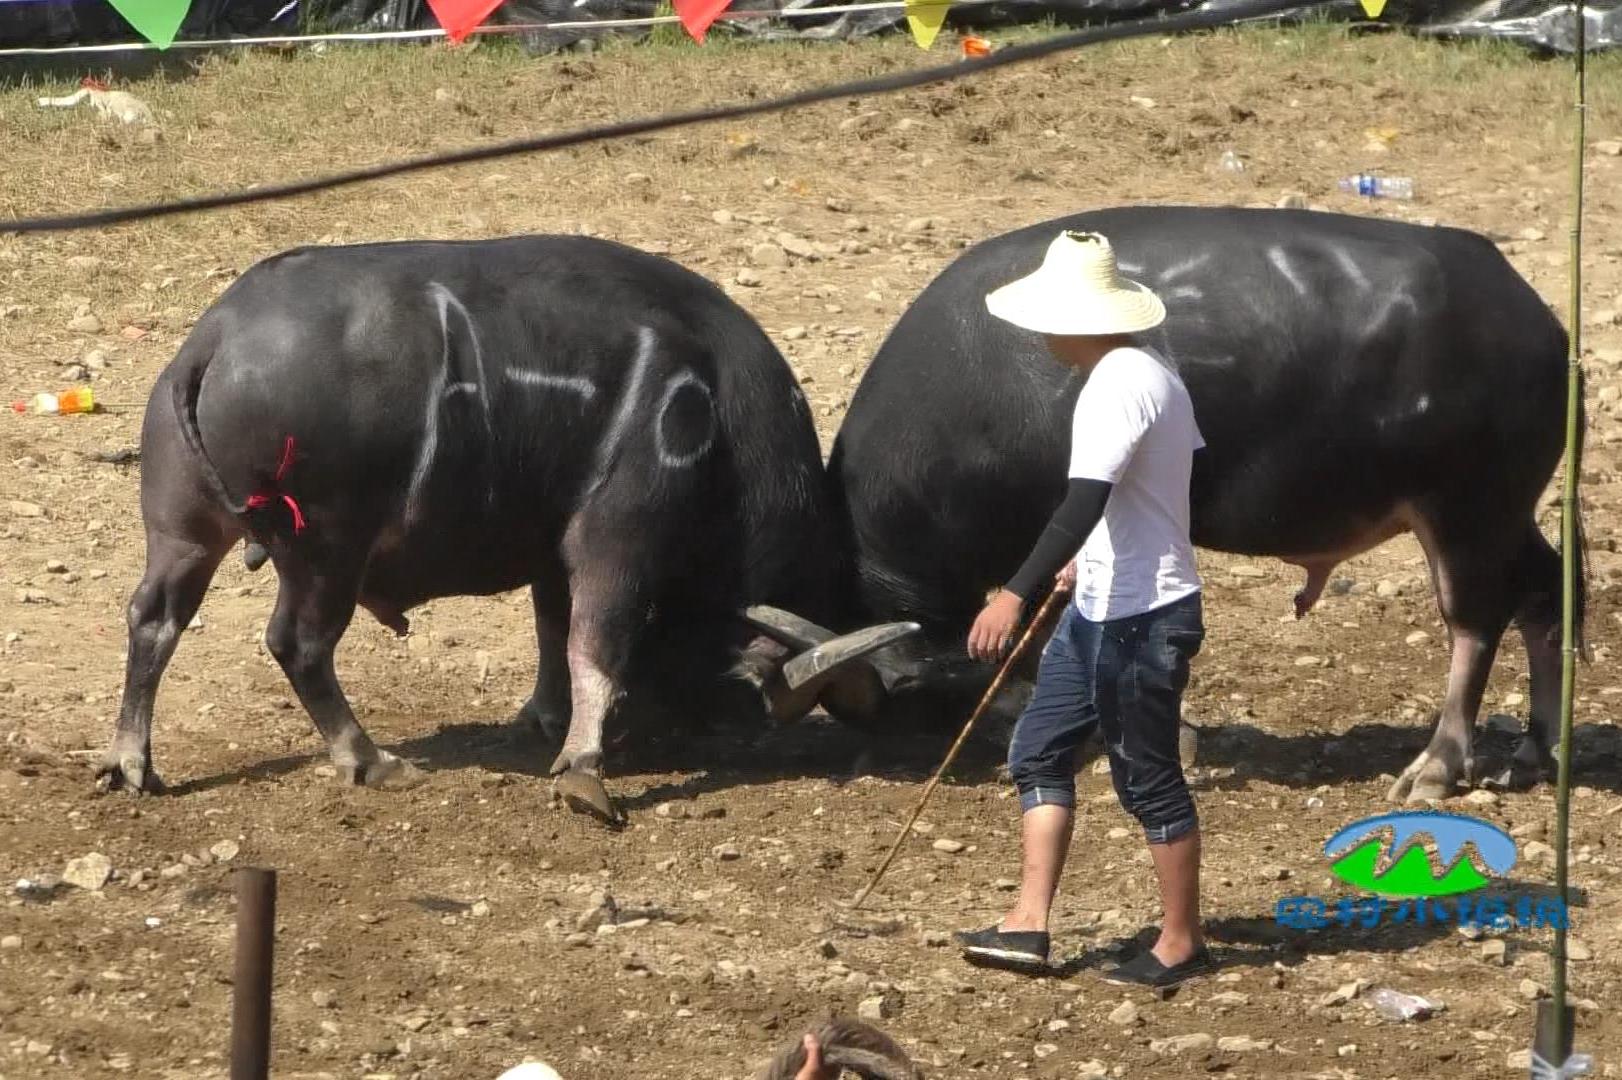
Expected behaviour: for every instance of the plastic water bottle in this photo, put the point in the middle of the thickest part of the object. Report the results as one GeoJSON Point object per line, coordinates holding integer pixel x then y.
{"type": "Point", "coordinates": [77, 400]}
{"type": "Point", "coordinates": [1379, 187]}
{"type": "Point", "coordinates": [1395, 1005]}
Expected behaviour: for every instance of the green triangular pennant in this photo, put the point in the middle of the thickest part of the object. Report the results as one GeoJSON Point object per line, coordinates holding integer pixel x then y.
{"type": "Point", "coordinates": [156, 20]}
{"type": "Point", "coordinates": [1372, 8]}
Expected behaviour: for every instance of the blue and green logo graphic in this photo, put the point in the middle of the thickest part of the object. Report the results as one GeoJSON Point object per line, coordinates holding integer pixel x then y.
{"type": "Point", "coordinates": [1365, 860]}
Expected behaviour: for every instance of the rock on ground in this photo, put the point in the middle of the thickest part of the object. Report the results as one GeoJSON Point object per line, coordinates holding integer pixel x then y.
{"type": "Point", "coordinates": [1179, 1044]}
{"type": "Point", "coordinates": [1125, 1013]}
{"type": "Point", "coordinates": [90, 872]}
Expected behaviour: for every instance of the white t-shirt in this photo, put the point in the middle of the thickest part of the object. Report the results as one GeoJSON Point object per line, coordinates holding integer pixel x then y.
{"type": "Point", "coordinates": [1134, 427]}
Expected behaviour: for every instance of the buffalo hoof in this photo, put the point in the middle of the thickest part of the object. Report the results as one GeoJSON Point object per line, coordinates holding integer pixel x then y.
{"type": "Point", "coordinates": [550, 724]}
{"type": "Point", "coordinates": [584, 793]}
{"type": "Point", "coordinates": [1428, 778]}
{"type": "Point", "coordinates": [128, 771]}
{"type": "Point", "coordinates": [1527, 768]}
{"type": "Point", "coordinates": [387, 773]}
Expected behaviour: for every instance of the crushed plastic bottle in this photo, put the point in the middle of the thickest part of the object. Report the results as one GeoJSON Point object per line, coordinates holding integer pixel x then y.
{"type": "Point", "coordinates": [115, 103]}
{"type": "Point", "coordinates": [1378, 187]}
{"type": "Point", "coordinates": [78, 400]}
{"type": "Point", "coordinates": [1576, 1065]}
{"type": "Point", "coordinates": [975, 47]}
{"type": "Point", "coordinates": [1231, 162]}
{"type": "Point", "coordinates": [1395, 1005]}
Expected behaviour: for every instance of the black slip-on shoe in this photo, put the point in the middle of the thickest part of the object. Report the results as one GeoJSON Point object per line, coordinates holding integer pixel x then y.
{"type": "Point", "coordinates": [1145, 969]}
{"type": "Point", "coordinates": [1013, 949]}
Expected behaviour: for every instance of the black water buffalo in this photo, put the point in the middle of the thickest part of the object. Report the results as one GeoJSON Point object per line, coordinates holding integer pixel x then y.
{"type": "Point", "coordinates": [1354, 378]}
{"type": "Point", "coordinates": [389, 423]}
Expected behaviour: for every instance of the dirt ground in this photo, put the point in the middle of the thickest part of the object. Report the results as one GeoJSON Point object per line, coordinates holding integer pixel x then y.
{"type": "Point", "coordinates": [440, 932]}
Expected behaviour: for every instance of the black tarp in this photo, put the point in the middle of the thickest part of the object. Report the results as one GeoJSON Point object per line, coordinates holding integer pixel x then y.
{"type": "Point", "coordinates": [1538, 24]}
{"type": "Point", "coordinates": [48, 23]}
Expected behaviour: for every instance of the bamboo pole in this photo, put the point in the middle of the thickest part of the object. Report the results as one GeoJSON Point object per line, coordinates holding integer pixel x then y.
{"type": "Point", "coordinates": [1568, 552]}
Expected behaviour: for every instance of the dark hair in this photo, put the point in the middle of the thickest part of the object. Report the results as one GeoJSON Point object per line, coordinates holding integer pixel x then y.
{"type": "Point", "coordinates": [847, 1044]}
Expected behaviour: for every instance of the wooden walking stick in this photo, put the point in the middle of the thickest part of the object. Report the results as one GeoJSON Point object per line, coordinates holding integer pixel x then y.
{"type": "Point", "coordinates": [1054, 601]}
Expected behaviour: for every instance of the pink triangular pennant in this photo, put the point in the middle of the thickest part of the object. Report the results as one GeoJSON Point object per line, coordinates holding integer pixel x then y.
{"type": "Point", "coordinates": [461, 17]}
{"type": "Point", "coordinates": [697, 15]}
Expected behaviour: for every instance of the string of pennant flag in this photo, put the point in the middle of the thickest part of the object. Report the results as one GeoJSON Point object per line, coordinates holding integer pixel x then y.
{"type": "Point", "coordinates": [158, 21]}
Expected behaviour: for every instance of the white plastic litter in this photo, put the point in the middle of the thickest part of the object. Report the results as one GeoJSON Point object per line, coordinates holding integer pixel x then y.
{"type": "Point", "coordinates": [115, 103]}
{"type": "Point", "coordinates": [530, 1070]}
{"type": "Point", "coordinates": [1576, 1065]}
{"type": "Point", "coordinates": [1395, 1005]}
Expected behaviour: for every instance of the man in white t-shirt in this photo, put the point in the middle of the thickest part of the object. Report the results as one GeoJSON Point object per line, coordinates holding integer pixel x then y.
{"type": "Point", "coordinates": [1119, 657]}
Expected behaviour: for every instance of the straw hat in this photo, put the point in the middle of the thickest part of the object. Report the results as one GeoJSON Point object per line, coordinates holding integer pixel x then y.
{"type": "Point", "coordinates": [1077, 291]}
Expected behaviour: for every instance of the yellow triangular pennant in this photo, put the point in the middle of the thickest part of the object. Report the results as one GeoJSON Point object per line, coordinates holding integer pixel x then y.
{"type": "Point", "coordinates": [1372, 8]}
{"type": "Point", "coordinates": [924, 19]}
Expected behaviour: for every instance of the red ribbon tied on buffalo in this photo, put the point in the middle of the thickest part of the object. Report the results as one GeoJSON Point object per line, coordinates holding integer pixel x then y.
{"type": "Point", "coordinates": [266, 496]}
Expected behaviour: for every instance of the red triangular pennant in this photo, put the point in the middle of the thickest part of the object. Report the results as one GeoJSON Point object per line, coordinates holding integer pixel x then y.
{"type": "Point", "coordinates": [697, 15]}
{"type": "Point", "coordinates": [461, 17]}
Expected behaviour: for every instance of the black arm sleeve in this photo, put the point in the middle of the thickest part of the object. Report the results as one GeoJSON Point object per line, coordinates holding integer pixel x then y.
{"type": "Point", "coordinates": [1081, 510]}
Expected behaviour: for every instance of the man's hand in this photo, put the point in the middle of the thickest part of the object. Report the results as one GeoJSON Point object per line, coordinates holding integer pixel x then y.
{"type": "Point", "coordinates": [813, 1069]}
{"type": "Point", "coordinates": [1066, 578]}
{"type": "Point", "coordinates": [994, 629]}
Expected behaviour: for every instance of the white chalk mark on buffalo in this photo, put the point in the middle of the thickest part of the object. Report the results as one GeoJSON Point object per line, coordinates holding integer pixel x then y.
{"type": "Point", "coordinates": [669, 454]}
{"type": "Point", "coordinates": [430, 436]}
{"type": "Point", "coordinates": [1281, 262]}
{"type": "Point", "coordinates": [1353, 271]}
{"type": "Point", "coordinates": [446, 300]}
{"type": "Point", "coordinates": [609, 448]}
{"type": "Point", "coordinates": [1184, 267]}
{"type": "Point", "coordinates": [578, 384]}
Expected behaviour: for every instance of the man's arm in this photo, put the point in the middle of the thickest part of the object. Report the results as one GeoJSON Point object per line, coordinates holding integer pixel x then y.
{"type": "Point", "coordinates": [1071, 522]}
{"type": "Point", "coordinates": [1067, 530]}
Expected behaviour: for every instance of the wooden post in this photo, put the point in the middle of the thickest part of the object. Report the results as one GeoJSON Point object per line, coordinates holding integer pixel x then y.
{"type": "Point", "coordinates": [251, 981]}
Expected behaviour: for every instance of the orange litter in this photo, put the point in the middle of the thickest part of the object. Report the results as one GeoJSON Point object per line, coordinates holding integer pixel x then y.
{"type": "Point", "coordinates": [77, 400]}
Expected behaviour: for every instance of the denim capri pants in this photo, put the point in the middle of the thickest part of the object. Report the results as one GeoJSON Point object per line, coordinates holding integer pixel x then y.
{"type": "Point", "coordinates": [1127, 676]}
